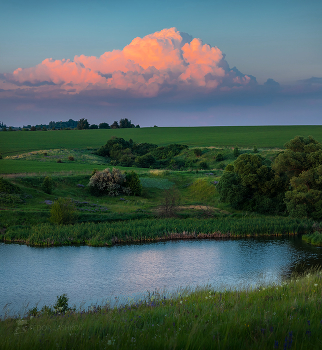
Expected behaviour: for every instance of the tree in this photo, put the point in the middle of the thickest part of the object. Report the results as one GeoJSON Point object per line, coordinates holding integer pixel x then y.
{"type": "Point", "coordinates": [33, 128]}
{"type": "Point", "coordinates": [301, 163]}
{"type": "Point", "coordinates": [236, 152]}
{"type": "Point", "coordinates": [104, 126]}
{"type": "Point", "coordinates": [133, 183]}
{"type": "Point", "coordinates": [125, 123]}
{"type": "Point", "coordinates": [93, 126]}
{"type": "Point", "coordinates": [47, 185]}
{"type": "Point", "coordinates": [63, 212]}
{"type": "Point", "coordinates": [115, 125]}
{"type": "Point", "coordinates": [82, 124]}
{"type": "Point", "coordinates": [252, 185]}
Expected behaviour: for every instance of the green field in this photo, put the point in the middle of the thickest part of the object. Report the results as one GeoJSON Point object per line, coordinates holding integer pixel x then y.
{"type": "Point", "coordinates": [12, 143]}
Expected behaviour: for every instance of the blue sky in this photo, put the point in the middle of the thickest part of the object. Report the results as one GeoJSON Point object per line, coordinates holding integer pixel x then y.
{"type": "Point", "coordinates": [279, 40]}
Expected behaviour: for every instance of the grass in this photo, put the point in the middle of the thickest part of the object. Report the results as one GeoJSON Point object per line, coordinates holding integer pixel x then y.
{"type": "Point", "coordinates": [287, 316]}
{"type": "Point", "coordinates": [314, 238]}
{"type": "Point", "coordinates": [147, 230]}
{"type": "Point", "coordinates": [12, 143]}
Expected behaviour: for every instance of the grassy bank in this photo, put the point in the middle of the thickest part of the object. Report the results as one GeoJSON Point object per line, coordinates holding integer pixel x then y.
{"type": "Point", "coordinates": [146, 230]}
{"type": "Point", "coordinates": [314, 238]}
{"type": "Point", "coordinates": [288, 316]}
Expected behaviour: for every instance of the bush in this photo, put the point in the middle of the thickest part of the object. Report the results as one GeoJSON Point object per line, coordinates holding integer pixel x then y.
{"type": "Point", "coordinates": [63, 212]}
{"type": "Point", "coordinates": [236, 152]}
{"type": "Point", "coordinates": [197, 152]}
{"type": "Point", "coordinates": [47, 185]}
{"type": "Point", "coordinates": [59, 161]}
{"type": "Point", "coordinates": [203, 165]}
{"type": "Point", "coordinates": [107, 182]}
{"type": "Point", "coordinates": [255, 150]}
{"type": "Point", "coordinates": [8, 187]}
{"type": "Point", "coordinates": [219, 157]}
{"type": "Point", "coordinates": [0, 156]}
{"type": "Point", "coordinates": [170, 203]}
{"type": "Point", "coordinates": [61, 305]}
{"type": "Point", "coordinates": [71, 158]}
{"type": "Point", "coordinates": [133, 183]}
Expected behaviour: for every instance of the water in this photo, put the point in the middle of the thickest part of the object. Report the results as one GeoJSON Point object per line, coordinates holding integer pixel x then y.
{"type": "Point", "coordinates": [92, 275]}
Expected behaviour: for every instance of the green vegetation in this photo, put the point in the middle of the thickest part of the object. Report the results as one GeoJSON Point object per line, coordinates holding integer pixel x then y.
{"type": "Point", "coordinates": [293, 183]}
{"type": "Point", "coordinates": [47, 185]}
{"type": "Point", "coordinates": [63, 212]}
{"type": "Point", "coordinates": [286, 316]}
{"type": "Point", "coordinates": [12, 143]}
{"type": "Point", "coordinates": [314, 238]}
{"type": "Point", "coordinates": [145, 230]}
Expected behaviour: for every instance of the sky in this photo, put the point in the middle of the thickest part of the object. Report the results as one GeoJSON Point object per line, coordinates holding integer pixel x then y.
{"type": "Point", "coordinates": [165, 63]}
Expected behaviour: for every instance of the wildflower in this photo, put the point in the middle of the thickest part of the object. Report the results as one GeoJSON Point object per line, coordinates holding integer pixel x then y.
{"type": "Point", "coordinates": [315, 285]}
{"type": "Point", "coordinates": [276, 344]}
{"type": "Point", "coordinates": [309, 323]}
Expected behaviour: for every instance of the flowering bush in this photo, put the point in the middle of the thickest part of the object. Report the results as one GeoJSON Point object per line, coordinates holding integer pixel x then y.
{"type": "Point", "coordinates": [108, 182]}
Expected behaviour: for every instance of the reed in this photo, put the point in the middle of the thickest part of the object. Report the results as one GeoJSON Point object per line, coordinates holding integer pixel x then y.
{"type": "Point", "coordinates": [146, 230]}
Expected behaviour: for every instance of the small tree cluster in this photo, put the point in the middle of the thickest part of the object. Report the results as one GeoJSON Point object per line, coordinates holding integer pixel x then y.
{"type": "Point", "coordinates": [47, 185]}
{"type": "Point", "coordinates": [107, 182]}
{"type": "Point", "coordinates": [133, 183]}
{"type": "Point", "coordinates": [63, 211]}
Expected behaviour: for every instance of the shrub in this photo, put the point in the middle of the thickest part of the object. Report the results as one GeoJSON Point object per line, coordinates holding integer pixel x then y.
{"type": "Point", "coordinates": [255, 150]}
{"type": "Point", "coordinates": [63, 212]}
{"type": "Point", "coordinates": [197, 152]}
{"type": "Point", "coordinates": [236, 152]}
{"type": "Point", "coordinates": [61, 305]}
{"type": "Point", "coordinates": [8, 187]}
{"type": "Point", "coordinates": [47, 185]}
{"type": "Point", "coordinates": [45, 154]}
{"type": "Point", "coordinates": [201, 190]}
{"type": "Point", "coordinates": [71, 158]}
{"type": "Point", "coordinates": [203, 165]}
{"type": "Point", "coordinates": [0, 156]}
{"type": "Point", "coordinates": [107, 182]}
{"type": "Point", "coordinates": [219, 157]}
{"type": "Point", "coordinates": [170, 203]}
{"type": "Point", "coordinates": [59, 161]}
{"type": "Point", "coordinates": [133, 183]}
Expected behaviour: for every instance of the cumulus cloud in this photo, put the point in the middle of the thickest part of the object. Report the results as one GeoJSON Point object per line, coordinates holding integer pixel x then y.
{"type": "Point", "coordinates": [157, 64]}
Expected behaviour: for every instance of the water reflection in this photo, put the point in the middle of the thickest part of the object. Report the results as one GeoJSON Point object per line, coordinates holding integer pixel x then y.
{"type": "Point", "coordinates": [29, 274]}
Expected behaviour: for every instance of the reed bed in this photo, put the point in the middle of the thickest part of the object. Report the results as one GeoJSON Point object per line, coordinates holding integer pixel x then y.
{"type": "Point", "coordinates": [286, 316]}
{"type": "Point", "coordinates": [145, 230]}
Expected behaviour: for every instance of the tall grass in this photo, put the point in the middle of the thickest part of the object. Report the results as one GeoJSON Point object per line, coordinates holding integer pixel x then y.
{"type": "Point", "coordinates": [287, 316]}
{"type": "Point", "coordinates": [145, 230]}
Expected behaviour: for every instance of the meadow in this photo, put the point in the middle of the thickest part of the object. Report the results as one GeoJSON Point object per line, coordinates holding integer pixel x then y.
{"type": "Point", "coordinates": [287, 316]}
{"type": "Point", "coordinates": [12, 143]}
{"type": "Point", "coordinates": [280, 317]}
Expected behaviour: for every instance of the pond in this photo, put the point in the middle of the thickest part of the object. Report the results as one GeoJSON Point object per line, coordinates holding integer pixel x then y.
{"type": "Point", "coordinates": [92, 275]}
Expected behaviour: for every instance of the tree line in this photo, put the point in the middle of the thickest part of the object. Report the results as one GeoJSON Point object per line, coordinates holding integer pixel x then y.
{"type": "Point", "coordinates": [291, 184]}
{"type": "Point", "coordinates": [71, 124]}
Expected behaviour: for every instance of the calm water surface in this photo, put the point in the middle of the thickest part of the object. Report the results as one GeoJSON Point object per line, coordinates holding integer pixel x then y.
{"type": "Point", "coordinates": [92, 275]}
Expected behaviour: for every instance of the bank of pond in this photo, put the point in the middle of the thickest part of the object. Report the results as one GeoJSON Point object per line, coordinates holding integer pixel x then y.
{"type": "Point", "coordinates": [149, 230]}
{"type": "Point", "coordinates": [286, 316]}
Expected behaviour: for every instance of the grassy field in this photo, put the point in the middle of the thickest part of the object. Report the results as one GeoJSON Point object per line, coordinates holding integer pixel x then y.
{"type": "Point", "coordinates": [12, 143]}
{"type": "Point", "coordinates": [287, 316]}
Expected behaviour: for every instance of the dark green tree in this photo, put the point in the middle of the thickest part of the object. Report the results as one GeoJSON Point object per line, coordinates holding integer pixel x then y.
{"type": "Point", "coordinates": [104, 126]}
{"type": "Point", "coordinates": [82, 124]}
{"type": "Point", "coordinates": [133, 183]}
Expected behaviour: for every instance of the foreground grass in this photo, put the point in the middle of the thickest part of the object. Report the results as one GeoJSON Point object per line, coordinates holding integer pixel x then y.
{"type": "Point", "coordinates": [146, 230]}
{"type": "Point", "coordinates": [288, 316]}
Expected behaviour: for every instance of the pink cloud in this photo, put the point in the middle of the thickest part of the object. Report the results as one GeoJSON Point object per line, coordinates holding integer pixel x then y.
{"type": "Point", "coordinates": [147, 67]}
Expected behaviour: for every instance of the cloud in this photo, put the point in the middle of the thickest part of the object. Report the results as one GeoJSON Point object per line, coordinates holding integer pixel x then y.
{"type": "Point", "coordinates": [157, 64]}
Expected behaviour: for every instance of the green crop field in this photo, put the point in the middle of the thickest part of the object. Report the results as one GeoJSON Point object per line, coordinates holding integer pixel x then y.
{"type": "Point", "coordinates": [12, 143]}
